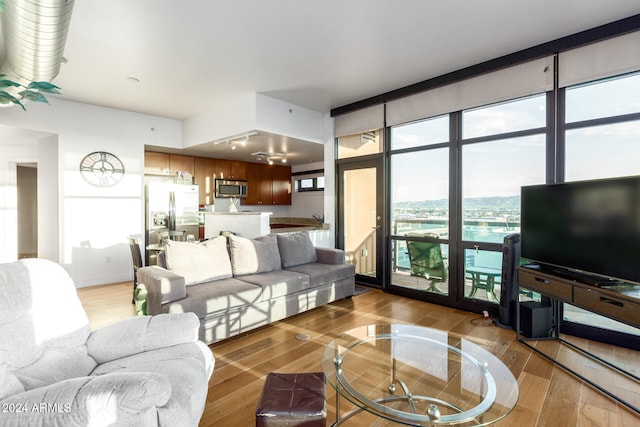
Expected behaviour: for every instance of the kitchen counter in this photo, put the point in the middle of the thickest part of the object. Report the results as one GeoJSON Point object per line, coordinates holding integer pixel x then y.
{"type": "Point", "coordinates": [245, 224]}
{"type": "Point", "coordinates": [319, 233]}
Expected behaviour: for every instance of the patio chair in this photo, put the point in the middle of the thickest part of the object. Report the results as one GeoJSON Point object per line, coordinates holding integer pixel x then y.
{"type": "Point", "coordinates": [427, 260]}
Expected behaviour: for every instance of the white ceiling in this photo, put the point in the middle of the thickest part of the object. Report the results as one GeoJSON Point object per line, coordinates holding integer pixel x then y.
{"type": "Point", "coordinates": [193, 56]}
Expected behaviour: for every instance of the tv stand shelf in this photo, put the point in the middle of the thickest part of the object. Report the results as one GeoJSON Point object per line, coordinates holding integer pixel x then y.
{"type": "Point", "coordinates": [615, 300]}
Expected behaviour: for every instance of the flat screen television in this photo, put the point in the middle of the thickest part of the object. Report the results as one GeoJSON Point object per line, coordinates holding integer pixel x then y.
{"type": "Point", "coordinates": [590, 227]}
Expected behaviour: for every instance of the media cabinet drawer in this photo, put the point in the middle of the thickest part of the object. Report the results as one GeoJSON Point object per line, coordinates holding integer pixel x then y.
{"type": "Point", "coordinates": [545, 285]}
{"type": "Point", "coordinates": [619, 309]}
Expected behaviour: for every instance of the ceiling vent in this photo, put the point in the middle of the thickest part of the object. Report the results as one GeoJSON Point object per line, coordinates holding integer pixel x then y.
{"type": "Point", "coordinates": [261, 154]}
{"type": "Point", "coordinates": [35, 32]}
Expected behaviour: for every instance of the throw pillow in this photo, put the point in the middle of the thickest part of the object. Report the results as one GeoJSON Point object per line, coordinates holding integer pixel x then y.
{"type": "Point", "coordinates": [250, 256]}
{"type": "Point", "coordinates": [296, 249]}
{"type": "Point", "coordinates": [199, 262]}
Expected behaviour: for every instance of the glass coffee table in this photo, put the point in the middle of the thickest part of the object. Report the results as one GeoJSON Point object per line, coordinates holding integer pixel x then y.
{"type": "Point", "coordinates": [418, 376]}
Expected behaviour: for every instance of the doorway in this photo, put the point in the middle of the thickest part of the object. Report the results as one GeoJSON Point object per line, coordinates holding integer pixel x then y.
{"type": "Point", "coordinates": [360, 217]}
{"type": "Point", "coordinates": [27, 215]}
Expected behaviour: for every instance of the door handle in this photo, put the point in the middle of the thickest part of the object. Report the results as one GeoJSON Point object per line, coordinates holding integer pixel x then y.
{"type": "Point", "coordinates": [377, 227]}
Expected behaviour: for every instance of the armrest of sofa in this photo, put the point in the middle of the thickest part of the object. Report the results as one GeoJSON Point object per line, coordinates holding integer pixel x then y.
{"type": "Point", "coordinates": [139, 334]}
{"type": "Point", "coordinates": [162, 285]}
{"type": "Point", "coordinates": [330, 256]}
{"type": "Point", "coordinates": [124, 398]}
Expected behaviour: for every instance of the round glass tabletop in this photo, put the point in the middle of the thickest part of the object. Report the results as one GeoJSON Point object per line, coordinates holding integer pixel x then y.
{"type": "Point", "coordinates": [418, 376]}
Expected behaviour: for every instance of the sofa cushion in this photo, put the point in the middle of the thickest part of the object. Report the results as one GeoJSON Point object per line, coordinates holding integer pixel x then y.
{"type": "Point", "coordinates": [198, 263]}
{"type": "Point", "coordinates": [321, 274]}
{"type": "Point", "coordinates": [278, 283]}
{"type": "Point", "coordinates": [206, 298]}
{"type": "Point", "coordinates": [296, 249]}
{"type": "Point", "coordinates": [250, 256]}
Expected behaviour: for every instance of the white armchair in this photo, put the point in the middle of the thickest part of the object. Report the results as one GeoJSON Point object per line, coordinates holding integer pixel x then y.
{"type": "Point", "coordinates": [55, 372]}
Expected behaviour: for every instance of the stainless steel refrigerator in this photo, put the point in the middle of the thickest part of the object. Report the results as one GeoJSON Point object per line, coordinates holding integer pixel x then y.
{"type": "Point", "coordinates": [170, 207]}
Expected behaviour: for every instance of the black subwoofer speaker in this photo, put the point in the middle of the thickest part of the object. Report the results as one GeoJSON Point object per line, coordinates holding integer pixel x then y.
{"type": "Point", "coordinates": [509, 285]}
{"type": "Point", "coordinates": [536, 319]}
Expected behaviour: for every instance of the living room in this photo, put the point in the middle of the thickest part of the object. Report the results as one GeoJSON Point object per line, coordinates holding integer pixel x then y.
{"type": "Point", "coordinates": [83, 228]}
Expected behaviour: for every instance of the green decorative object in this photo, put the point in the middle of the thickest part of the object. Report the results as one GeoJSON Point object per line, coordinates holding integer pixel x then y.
{"type": "Point", "coordinates": [12, 92]}
{"type": "Point", "coordinates": [140, 299]}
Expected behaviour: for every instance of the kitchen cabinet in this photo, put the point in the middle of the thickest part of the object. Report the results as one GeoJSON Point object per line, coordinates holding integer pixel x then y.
{"type": "Point", "coordinates": [268, 185]}
{"type": "Point", "coordinates": [237, 169]}
{"type": "Point", "coordinates": [222, 169]}
{"type": "Point", "coordinates": [203, 177]}
{"type": "Point", "coordinates": [181, 163]}
{"type": "Point", "coordinates": [156, 163]}
{"type": "Point", "coordinates": [281, 185]}
{"type": "Point", "coordinates": [253, 185]}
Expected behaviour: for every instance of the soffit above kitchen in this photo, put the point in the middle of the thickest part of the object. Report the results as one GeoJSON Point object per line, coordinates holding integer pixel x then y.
{"type": "Point", "coordinates": [298, 152]}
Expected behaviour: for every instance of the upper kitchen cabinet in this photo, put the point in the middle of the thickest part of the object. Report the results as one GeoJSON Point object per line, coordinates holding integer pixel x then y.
{"type": "Point", "coordinates": [237, 170]}
{"type": "Point", "coordinates": [281, 185]}
{"type": "Point", "coordinates": [203, 177]}
{"type": "Point", "coordinates": [167, 164]}
{"type": "Point", "coordinates": [230, 169]}
{"type": "Point", "coordinates": [268, 185]}
{"type": "Point", "coordinates": [222, 169]}
{"type": "Point", "coordinates": [156, 163]}
{"type": "Point", "coordinates": [181, 163]}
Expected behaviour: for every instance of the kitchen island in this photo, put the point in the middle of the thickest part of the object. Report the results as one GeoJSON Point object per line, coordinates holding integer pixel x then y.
{"type": "Point", "coordinates": [244, 224]}
{"type": "Point", "coordinates": [319, 232]}
{"type": "Point", "coordinates": [256, 224]}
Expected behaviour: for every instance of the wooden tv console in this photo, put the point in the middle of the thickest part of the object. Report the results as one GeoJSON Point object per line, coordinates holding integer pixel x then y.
{"type": "Point", "coordinates": [619, 301]}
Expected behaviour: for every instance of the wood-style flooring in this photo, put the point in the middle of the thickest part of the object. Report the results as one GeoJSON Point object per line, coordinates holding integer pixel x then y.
{"type": "Point", "coordinates": [548, 395]}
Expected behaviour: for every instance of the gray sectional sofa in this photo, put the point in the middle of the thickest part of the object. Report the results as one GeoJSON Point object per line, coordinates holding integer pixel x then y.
{"type": "Point", "coordinates": [234, 284]}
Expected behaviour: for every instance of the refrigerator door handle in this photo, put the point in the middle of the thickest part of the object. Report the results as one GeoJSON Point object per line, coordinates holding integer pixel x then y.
{"type": "Point", "coordinates": [172, 211]}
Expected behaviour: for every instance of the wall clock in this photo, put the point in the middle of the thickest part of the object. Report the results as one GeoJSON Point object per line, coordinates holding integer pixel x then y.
{"type": "Point", "coordinates": [101, 169]}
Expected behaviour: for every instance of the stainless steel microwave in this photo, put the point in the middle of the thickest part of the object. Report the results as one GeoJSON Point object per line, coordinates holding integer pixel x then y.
{"type": "Point", "coordinates": [231, 188]}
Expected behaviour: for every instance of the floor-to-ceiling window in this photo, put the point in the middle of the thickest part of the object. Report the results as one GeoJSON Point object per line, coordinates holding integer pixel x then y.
{"type": "Point", "coordinates": [457, 154]}
{"type": "Point", "coordinates": [419, 178]}
{"type": "Point", "coordinates": [602, 140]}
{"type": "Point", "coordinates": [503, 147]}
{"type": "Point", "coordinates": [499, 148]}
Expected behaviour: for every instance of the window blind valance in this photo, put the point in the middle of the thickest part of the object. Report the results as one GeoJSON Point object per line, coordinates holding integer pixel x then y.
{"type": "Point", "coordinates": [607, 58]}
{"type": "Point", "coordinates": [366, 119]}
{"type": "Point", "coordinates": [520, 80]}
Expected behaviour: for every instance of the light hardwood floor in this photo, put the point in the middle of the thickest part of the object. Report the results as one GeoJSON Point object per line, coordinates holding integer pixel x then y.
{"type": "Point", "coordinates": [548, 395]}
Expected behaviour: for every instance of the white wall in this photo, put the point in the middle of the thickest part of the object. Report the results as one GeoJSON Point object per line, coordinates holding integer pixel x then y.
{"type": "Point", "coordinates": [306, 204]}
{"type": "Point", "coordinates": [222, 121]}
{"type": "Point", "coordinates": [82, 227]}
{"type": "Point", "coordinates": [92, 223]}
{"type": "Point", "coordinates": [13, 150]}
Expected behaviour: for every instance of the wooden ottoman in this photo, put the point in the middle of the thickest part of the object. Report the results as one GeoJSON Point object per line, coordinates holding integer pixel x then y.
{"type": "Point", "coordinates": [293, 400]}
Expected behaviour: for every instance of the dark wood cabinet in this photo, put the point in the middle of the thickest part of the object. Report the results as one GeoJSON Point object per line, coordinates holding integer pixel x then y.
{"type": "Point", "coordinates": [237, 169]}
{"type": "Point", "coordinates": [281, 185]}
{"type": "Point", "coordinates": [203, 177]}
{"type": "Point", "coordinates": [268, 184]}
{"type": "Point", "coordinates": [222, 169]}
{"type": "Point", "coordinates": [253, 184]}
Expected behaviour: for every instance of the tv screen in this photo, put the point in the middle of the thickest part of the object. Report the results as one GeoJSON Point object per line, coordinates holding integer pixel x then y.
{"type": "Point", "coordinates": [589, 226]}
